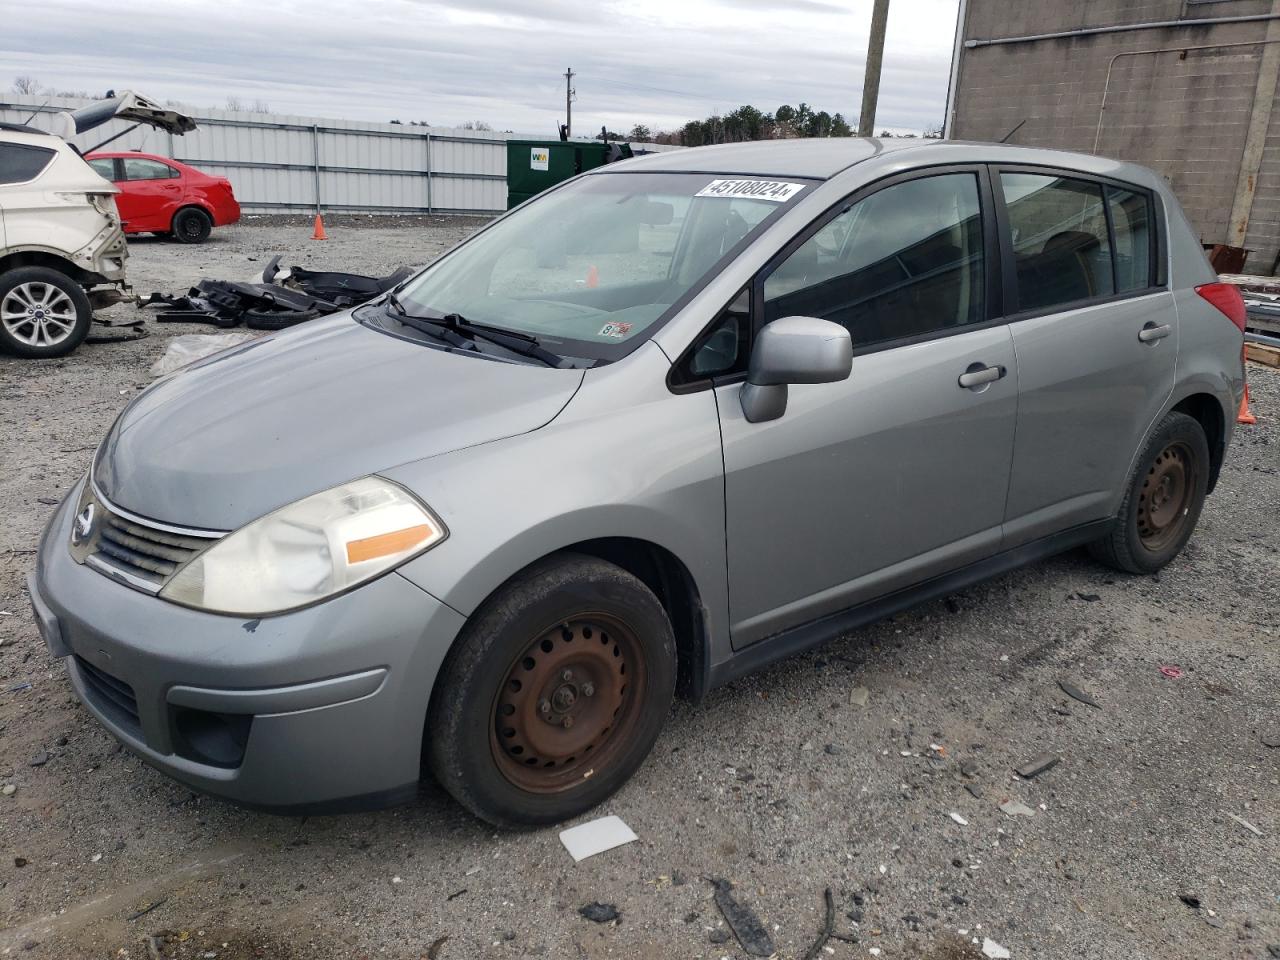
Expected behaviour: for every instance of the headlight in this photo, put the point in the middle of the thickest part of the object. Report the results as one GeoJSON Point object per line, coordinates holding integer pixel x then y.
{"type": "Point", "coordinates": [309, 550]}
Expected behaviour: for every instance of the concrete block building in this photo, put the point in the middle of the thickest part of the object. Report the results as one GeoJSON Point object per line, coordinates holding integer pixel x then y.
{"type": "Point", "coordinates": [1185, 87]}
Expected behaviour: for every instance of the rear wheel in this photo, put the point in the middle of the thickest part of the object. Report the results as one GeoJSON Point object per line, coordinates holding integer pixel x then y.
{"type": "Point", "coordinates": [191, 225]}
{"type": "Point", "coordinates": [554, 694]}
{"type": "Point", "coordinates": [43, 313]}
{"type": "Point", "coordinates": [1165, 496]}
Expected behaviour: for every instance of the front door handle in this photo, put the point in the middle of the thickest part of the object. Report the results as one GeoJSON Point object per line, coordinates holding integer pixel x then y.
{"type": "Point", "coordinates": [1152, 331]}
{"type": "Point", "coordinates": [979, 375]}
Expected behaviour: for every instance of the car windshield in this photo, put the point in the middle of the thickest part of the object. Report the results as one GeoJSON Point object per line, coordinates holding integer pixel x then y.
{"type": "Point", "coordinates": [592, 268]}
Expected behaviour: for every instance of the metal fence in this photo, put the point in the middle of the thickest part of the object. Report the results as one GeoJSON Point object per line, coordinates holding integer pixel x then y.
{"type": "Point", "coordinates": [289, 164]}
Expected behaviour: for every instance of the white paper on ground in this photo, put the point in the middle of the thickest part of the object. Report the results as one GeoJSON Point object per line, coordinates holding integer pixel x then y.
{"type": "Point", "coordinates": [588, 839]}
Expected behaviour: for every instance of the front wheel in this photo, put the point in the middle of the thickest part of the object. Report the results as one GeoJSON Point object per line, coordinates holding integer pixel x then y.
{"type": "Point", "coordinates": [554, 694]}
{"type": "Point", "coordinates": [1164, 499]}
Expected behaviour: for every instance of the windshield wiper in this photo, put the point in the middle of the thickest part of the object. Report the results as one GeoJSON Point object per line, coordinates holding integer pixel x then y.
{"type": "Point", "coordinates": [431, 326]}
{"type": "Point", "coordinates": [455, 324]}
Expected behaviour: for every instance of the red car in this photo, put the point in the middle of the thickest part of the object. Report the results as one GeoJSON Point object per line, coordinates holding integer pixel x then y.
{"type": "Point", "coordinates": [160, 195]}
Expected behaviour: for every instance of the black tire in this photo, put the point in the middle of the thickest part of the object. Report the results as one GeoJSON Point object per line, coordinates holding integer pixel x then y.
{"type": "Point", "coordinates": [544, 612]}
{"type": "Point", "coordinates": [20, 282]}
{"type": "Point", "coordinates": [191, 225]}
{"type": "Point", "coordinates": [1163, 500]}
{"type": "Point", "coordinates": [276, 319]}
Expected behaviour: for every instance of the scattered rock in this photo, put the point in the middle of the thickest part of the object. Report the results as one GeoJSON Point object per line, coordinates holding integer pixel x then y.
{"type": "Point", "coordinates": [974, 790]}
{"type": "Point", "coordinates": [720, 935]}
{"type": "Point", "coordinates": [831, 749]}
{"type": "Point", "coordinates": [858, 696]}
{"type": "Point", "coordinates": [1037, 766]}
{"type": "Point", "coordinates": [437, 945]}
{"type": "Point", "coordinates": [993, 950]}
{"type": "Point", "coordinates": [600, 912]}
{"type": "Point", "coordinates": [8, 789]}
{"type": "Point", "coordinates": [969, 768]}
{"type": "Point", "coordinates": [959, 819]}
{"type": "Point", "coordinates": [20, 861]}
{"type": "Point", "coordinates": [1075, 693]}
{"type": "Point", "coordinates": [1016, 808]}
{"type": "Point", "coordinates": [41, 758]}
{"type": "Point", "coordinates": [1274, 949]}
{"type": "Point", "coordinates": [1271, 738]}
{"type": "Point", "coordinates": [1088, 597]}
{"type": "Point", "coordinates": [1190, 899]}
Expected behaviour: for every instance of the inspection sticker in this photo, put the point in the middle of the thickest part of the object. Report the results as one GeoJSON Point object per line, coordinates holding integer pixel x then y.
{"type": "Point", "coordinates": [539, 158]}
{"type": "Point", "coordinates": [775, 190]}
{"type": "Point", "coordinates": [615, 330]}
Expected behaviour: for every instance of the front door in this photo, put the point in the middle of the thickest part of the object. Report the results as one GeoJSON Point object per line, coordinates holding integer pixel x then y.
{"type": "Point", "coordinates": [900, 472]}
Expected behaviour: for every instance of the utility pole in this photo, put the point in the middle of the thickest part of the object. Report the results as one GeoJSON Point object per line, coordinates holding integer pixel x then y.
{"type": "Point", "coordinates": [568, 102]}
{"type": "Point", "coordinates": [871, 81]}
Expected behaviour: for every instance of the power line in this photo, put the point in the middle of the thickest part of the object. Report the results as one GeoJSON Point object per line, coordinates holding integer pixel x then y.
{"type": "Point", "coordinates": [640, 86]}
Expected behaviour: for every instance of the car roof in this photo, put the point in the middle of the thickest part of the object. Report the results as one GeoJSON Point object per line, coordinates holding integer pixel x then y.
{"type": "Point", "coordinates": [104, 154]}
{"type": "Point", "coordinates": [818, 159]}
{"type": "Point", "coordinates": [827, 157]}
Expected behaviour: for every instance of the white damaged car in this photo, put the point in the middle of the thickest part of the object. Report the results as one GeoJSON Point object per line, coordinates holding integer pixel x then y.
{"type": "Point", "coordinates": [62, 249]}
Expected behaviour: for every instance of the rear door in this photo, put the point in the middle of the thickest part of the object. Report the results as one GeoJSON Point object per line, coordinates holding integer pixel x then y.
{"type": "Point", "coordinates": [151, 193]}
{"type": "Point", "coordinates": [1095, 331]}
{"type": "Point", "coordinates": [900, 472]}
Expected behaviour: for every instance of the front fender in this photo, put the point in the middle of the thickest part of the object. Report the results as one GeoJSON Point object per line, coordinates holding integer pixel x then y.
{"type": "Point", "coordinates": [622, 460]}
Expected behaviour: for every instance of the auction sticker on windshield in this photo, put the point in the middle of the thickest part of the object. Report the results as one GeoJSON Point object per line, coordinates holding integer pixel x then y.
{"type": "Point", "coordinates": [775, 190]}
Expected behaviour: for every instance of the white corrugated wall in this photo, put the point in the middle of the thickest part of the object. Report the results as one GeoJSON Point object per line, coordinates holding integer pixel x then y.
{"type": "Point", "coordinates": [287, 164]}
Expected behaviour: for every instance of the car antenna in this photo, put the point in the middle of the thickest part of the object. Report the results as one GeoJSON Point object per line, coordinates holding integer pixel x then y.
{"type": "Point", "coordinates": [34, 112]}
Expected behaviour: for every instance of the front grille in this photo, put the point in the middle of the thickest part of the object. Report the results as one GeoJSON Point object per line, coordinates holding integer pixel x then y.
{"type": "Point", "coordinates": [138, 552]}
{"type": "Point", "coordinates": [113, 697]}
{"type": "Point", "coordinates": [144, 551]}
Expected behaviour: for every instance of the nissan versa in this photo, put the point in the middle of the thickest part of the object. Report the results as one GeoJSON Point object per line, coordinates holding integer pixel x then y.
{"type": "Point", "coordinates": [665, 423]}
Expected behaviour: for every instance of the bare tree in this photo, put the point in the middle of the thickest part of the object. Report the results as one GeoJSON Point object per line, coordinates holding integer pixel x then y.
{"type": "Point", "coordinates": [28, 85]}
{"type": "Point", "coordinates": [476, 125]}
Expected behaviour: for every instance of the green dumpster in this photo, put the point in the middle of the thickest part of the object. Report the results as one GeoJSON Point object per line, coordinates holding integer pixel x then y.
{"type": "Point", "coordinates": [535, 165]}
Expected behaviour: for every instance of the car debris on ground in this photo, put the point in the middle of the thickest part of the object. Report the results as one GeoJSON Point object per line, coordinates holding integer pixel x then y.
{"type": "Point", "coordinates": [596, 836]}
{"type": "Point", "coordinates": [742, 920]}
{"type": "Point", "coordinates": [282, 299]}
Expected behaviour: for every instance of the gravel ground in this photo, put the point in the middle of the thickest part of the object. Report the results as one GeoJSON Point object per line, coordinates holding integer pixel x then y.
{"type": "Point", "coordinates": [780, 783]}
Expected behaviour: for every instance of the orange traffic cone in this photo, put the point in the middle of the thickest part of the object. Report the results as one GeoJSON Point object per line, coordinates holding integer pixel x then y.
{"type": "Point", "coordinates": [593, 277]}
{"type": "Point", "coordinates": [1245, 416]}
{"type": "Point", "coordinates": [319, 233]}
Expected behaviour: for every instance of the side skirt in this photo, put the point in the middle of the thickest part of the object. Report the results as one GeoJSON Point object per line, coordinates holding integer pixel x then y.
{"type": "Point", "coordinates": [817, 632]}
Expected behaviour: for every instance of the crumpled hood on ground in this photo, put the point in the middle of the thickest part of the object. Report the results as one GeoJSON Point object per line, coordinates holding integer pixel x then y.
{"type": "Point", "coordinates": [244, 432]}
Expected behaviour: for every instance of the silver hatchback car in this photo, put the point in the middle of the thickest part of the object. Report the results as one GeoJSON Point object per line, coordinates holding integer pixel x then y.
{"type": "Point", "coordinates": [662, 425]}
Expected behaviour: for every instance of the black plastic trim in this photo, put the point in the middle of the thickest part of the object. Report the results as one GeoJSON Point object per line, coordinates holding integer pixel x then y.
{"type": "Point", "coordinates": [817, 632]}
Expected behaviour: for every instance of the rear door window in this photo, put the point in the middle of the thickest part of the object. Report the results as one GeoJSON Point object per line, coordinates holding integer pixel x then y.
{"type": "Point", "coordinates": [104, 167]}
{"type": "Point", "coordinates": [20, 162]}
{"type": "Point", "coordinates": [1131, 220]}
{"type": "Point", "coordinates": [1061, 248]}
{"type": "Point", "coordinates": [905, 261]}
{"type": "Point", "coordinates": [139, 168]}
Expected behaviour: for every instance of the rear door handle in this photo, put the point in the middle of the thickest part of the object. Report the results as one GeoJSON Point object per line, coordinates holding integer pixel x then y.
{"type": "Point", "coordinates": [979, 375]}
{"type": "Point", "coordinates": [1152, 331]}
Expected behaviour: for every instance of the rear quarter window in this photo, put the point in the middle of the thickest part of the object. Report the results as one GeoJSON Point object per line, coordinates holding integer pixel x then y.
{"type": "Point", "coordinates": [20, 162]}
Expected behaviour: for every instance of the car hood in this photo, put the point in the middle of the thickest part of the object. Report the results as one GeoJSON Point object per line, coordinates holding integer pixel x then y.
{"type": "Point", "coordinates": [237, 435]}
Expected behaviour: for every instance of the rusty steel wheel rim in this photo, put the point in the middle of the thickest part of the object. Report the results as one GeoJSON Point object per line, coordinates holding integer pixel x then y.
{"type": "Point", "coordinates": [568, 703]}
{"type": "Point", "coordinates": [1164, 502]}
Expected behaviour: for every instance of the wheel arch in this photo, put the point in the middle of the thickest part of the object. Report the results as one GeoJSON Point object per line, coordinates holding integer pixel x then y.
{"type": "Point", "coordinates": [36, 257]}
{"type": "Point", "coordinates": [1207, 410]}
{"type": "Point", "coordinates": [192, 203]}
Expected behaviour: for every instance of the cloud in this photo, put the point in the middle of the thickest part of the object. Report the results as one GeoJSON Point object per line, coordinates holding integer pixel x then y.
{"type": "Point", "coordinates": [657, 62]}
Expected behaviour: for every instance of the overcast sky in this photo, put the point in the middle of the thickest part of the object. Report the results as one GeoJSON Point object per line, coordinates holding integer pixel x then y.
{"type": "Point", "coordinates": [657, 62]}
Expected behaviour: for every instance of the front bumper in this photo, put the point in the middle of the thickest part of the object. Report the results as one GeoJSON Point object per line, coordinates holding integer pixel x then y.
{"type": "Point", "coordinates": [320, 709]}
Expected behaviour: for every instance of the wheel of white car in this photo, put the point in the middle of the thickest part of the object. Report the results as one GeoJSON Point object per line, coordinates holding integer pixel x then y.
{"type": "Point", "coordinates": [43, 313]}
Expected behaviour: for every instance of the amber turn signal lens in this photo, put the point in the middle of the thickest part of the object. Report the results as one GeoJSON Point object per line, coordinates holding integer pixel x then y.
{"type": "Point", "coordinates": [370, 548]}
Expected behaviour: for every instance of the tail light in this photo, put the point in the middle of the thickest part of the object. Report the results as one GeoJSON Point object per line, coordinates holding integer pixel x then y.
{"type": "Point", "coordinates": [1226, 298]}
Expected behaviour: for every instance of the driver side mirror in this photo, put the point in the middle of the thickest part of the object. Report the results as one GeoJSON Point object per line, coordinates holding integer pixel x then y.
{"type": "Point", "coordinates": [793, 350]}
